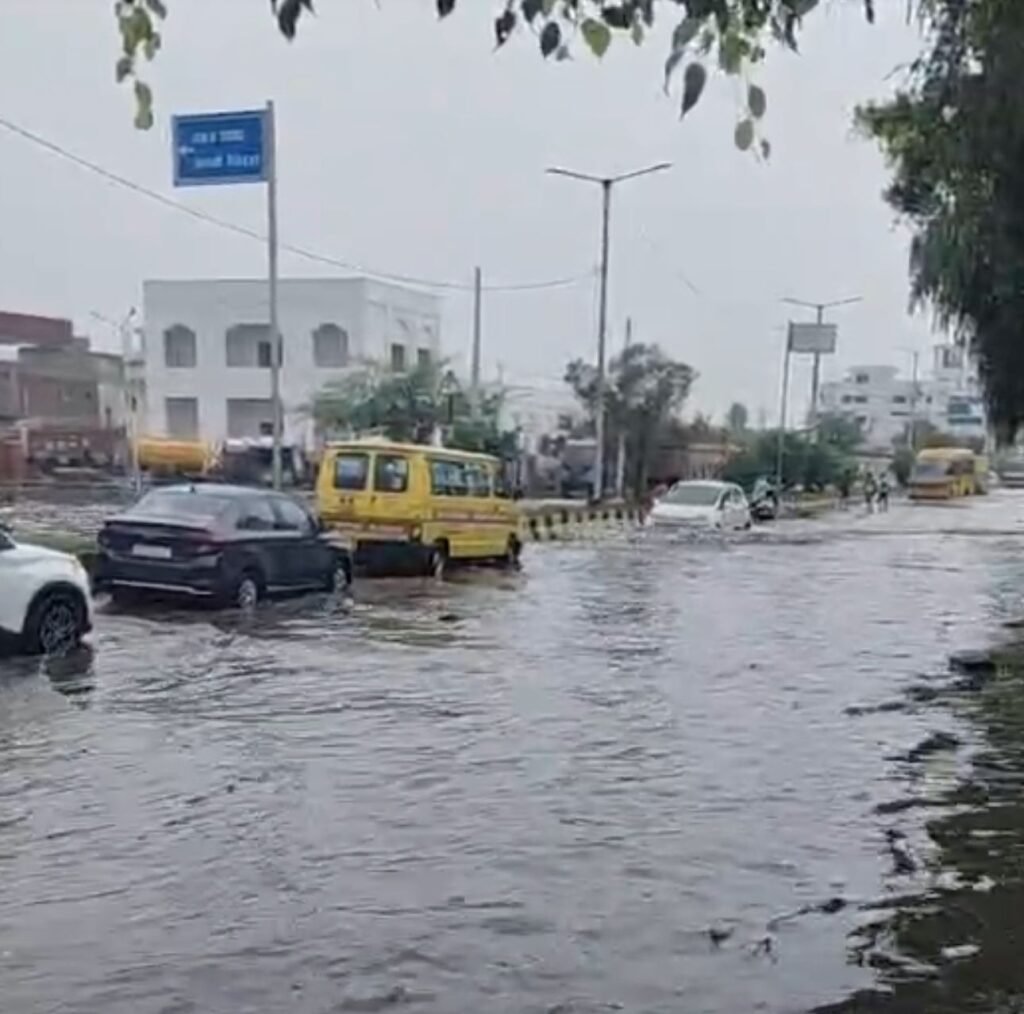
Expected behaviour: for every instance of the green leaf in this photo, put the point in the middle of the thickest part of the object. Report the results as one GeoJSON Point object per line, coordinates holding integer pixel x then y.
{"type": "Point", "coordinates": [597, 36]}
{"type": "Point", "coordinates": [670, 65]}
{"type": "Point", "coordinates": [152, 45]}
{"type": "Point", "coordinates": [757, 102]}
{"type": "Point", "coordinates": [503, 26]}
{"type": "Point", "coordinates": [685, 32]}
{"type": "Point", "coordinates": [143, 95]}
{"type": "Point", "coordinates": [550, 38]}
{"type": "Point", "coordinates": [445, 7]}
{"type": "Point", "coordinates": [766, 149]}
{"type": "Point", "coordinates": [637, 33]}
{"type": "Point", "coordinates": [730, 52]}
{"type": "Point", "coordinates": [694, 78]}
{"type": "Point", "coordinates": [123, 68]}
{"type": "Point", "coordinates": [158, 8]}
{"type": "Point", "coordinates": [530, 9]}
{"type": "Point", "coordinates": [744, 136]}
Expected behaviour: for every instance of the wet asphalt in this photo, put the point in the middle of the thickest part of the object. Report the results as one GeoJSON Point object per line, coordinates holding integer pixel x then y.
{"type": "Point", "coordinates": [646, 774]}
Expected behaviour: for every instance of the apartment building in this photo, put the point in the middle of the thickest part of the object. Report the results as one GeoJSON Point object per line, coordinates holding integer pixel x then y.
{"type": "Point", "coordinates": [207, 349]}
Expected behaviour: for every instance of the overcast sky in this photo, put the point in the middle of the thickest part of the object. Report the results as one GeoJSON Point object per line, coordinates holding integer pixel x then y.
{"type": "Point", "coordinates": [410, 146]}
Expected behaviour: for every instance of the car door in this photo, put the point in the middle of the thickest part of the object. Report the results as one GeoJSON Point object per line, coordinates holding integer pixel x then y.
{"type": "Point", "coordinates": [256, 539]}
{"type": "Point", "coordinates": [307, 558]}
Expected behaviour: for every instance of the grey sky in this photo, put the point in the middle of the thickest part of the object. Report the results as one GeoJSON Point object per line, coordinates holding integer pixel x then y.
{"type": "Point", "coordinates": [410, 146]}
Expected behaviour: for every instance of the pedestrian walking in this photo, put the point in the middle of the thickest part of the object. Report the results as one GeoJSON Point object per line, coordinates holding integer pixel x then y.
{"type": "Point", "coordinates": [883, 494]}
{"type": "Point", "coordinates": [870, 490]}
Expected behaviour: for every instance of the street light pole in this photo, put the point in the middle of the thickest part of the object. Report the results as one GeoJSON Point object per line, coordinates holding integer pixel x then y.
{"type": "Point", "coordinates": [606, 183]}
{"type": "Point", "coordinates": [819, 309]}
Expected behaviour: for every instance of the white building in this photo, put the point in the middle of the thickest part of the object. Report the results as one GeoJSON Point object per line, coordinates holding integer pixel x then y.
{"type": "Point", "coordinates": [883, 403]}
{"type": "Point", "coordinates": [207, 349]}
{"type": "Point", "coordinates": [538, 409]}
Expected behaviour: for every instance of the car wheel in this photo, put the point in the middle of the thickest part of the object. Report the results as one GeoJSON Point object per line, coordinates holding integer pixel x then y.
{"type": "Point", "coordinates": [339, 581]}
{"type": "Point", "coordinates": [513, 554]}
{"type": "Point", "coordinates": [437, 561]}
{"type": "Point", "coordinates": [247, 590]}
{"type": "Point", "coordinates": [55, 623]}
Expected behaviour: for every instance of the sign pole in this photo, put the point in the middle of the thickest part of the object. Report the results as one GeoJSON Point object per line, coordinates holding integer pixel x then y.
{"type": "Point", "coordinates": [781, 449]}
{"type": "Point", "coordinates": [270, 155]}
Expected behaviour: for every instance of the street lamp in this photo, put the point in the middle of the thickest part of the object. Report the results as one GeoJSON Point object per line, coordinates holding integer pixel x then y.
{"type": "Point", "coordinates": [606, 183]}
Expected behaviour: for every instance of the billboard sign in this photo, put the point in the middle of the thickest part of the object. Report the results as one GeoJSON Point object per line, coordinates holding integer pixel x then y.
{"type": "Point", "coordinates": [819, 339]}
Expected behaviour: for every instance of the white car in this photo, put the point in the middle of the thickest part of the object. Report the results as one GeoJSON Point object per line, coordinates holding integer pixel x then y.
{"type": "Point", "coordinates": [45, 605]}
{"type": "Point", "coordinates": [699, 504]}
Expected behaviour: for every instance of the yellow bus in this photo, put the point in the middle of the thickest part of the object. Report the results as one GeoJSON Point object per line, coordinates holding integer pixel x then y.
{"type": "Point", "coordinates": [942, 473]}
{"type": "Point", "coordinates": [169, 456]}
{"type": "Point", "coordinates": [408, 505]}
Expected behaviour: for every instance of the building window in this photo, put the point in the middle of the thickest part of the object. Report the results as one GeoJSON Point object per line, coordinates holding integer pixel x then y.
{"type": "Point", "coordinates": [248, 345]}
{"type": "Point", "coordinates": [423, 357]}
{"type": "Point", "coordinates": [182, 417]}
{"type": "Point", "coordinates": [180, 348]}
{"type": "Point", "coordinates": [250, 417]}
{"type": "Point", "coordinates": [847, 398]}
{"type": "Point", "coordinates": [861, 399]}
{"type": "Point", "coordinates": [899, 399]}
{"type": "Point", "coordinates": [330, 347]}
{"type": "Point", "coordinates": [397, 357]}
{"type": "Point", "coordinates": [861, 378]}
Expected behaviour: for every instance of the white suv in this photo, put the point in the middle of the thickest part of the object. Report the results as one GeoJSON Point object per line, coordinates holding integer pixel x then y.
{"type": "Point", "coordinates": [45, 604]}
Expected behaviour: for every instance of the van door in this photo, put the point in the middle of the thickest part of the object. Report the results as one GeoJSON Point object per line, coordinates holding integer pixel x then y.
{"type": "Point", "coordinates": [449, 498]}
{"type": "Point", "coordinates": [392, 500]}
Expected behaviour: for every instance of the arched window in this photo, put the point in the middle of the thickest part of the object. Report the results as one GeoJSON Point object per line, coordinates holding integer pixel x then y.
{"type": "Point", "coordinates": [179, 347]}
{"type": "Point", "coordinates": [330, 347]}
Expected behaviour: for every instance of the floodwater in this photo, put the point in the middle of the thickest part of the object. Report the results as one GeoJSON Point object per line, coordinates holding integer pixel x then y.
{"type": "Point", "coordinates": [645, 775]}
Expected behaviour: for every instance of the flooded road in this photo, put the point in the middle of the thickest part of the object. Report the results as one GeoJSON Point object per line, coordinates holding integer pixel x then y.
{"type": "Point", "coordinates": [644, 775]}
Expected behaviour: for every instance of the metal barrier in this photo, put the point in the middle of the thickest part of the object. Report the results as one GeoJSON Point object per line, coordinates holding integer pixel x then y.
{"type": "Point", "coordinates": [563, 522]}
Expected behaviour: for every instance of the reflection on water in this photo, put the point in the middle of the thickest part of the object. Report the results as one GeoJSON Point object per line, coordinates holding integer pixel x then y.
{"type": "Point", "coordinates": [648, 775]}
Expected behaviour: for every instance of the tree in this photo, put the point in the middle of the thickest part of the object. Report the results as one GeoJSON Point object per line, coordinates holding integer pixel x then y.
{"type": "Point", "coordinates": [730, 33]}
{"type": "Point", "coordinates": [410, 407]}
{"type": "Point", "coordinates": [954, 137]}
{"type": "Point", "coordinates": [644, 388]}
{"type": "Point", "coordinates": [737, 418]}
{"type": "Point", "coordinates": [813, 464]}
{"type": "Point", "coordinates": [840, 432]}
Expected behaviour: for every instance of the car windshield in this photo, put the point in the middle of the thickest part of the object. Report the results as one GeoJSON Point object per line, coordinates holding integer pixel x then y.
{"type": "Point", "coordinates": [930, 470]}
{"type": "Point", "coordinates": [696, 495]}
{"type": "Point", "coordinates": [183, 503]}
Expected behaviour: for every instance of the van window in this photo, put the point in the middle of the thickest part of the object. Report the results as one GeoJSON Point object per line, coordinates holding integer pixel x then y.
{"type": "Point", "coordinates": [478, 479]}
{"type": "Point", "coordinates": [350, 471]}
{"type": "Point", "coordinates": [448, 478]}
{"type": "Point", "coordinates": [390, 474]}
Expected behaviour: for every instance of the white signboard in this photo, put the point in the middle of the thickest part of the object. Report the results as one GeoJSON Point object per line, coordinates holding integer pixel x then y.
{"type": "Point", "coordinates": [812, 338]}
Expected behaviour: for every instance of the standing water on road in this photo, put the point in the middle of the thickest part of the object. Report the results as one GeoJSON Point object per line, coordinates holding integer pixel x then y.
{"type": "Point", "coordinates": [645, 775]}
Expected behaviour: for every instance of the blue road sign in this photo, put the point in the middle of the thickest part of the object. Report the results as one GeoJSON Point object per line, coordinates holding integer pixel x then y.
{"type": "Point", "coordinates": [212, 148]}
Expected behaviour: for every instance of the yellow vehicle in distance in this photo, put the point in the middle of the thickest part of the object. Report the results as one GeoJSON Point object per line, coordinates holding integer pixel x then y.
{"type": "Point", "coordinates": [167, 456]}
{"type": "Point", "coordinates": [944, 473]}
{"type": "Point", "coordinates": [409, 507]}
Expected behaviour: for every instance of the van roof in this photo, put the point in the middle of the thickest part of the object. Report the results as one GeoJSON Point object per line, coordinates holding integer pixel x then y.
{"type": "Point", "coordinates": [939, 453]}
{"type": "Point", "coordinates": [378, 444]}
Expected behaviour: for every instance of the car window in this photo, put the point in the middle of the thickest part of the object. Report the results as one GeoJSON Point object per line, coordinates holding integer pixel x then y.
{"type": "Point", "coordinates": [478, 479]}
{"type": "Point", "coordinates": [448, 478]}
{"type": "Point", "coordinates": [255, 515]}
{"type": "Point", "coordinates": [350, 471]}
{"type": "Point", "coordinates": [390, 473]}
{"type": "Point", "coordinates": [290, 517]}
{"type": "Point", "coordinates": [695, 495]}
{"type": "Point", "coordinates": [182, 503]}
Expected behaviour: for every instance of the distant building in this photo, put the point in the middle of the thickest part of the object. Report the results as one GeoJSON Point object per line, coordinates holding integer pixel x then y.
{"type": "Point", "coordinates": [207, 349]}
{"type": "Point", "coordinates": [539, 409]}
{"type": "Point", "coordinates": [883, 403]}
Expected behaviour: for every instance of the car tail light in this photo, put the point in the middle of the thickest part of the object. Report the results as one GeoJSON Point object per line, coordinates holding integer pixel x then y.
{"type": "Point", "coordinates": [203, 546]}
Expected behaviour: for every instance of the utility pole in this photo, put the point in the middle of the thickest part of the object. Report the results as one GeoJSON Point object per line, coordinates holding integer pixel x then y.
{"type": "Point", "coordinates": [819, 309]}
{"type": "Point", "coordinates": [620, 464]}
{"type": "Point", "coordinates": [781, 450]}
{"type": "Point", "coordinates": [606, 183]}
{"type": "Point", "coordinates": [474, 369]}
{"type": "Point", "coordinates": [270, 157]}
{"type": "Point", "coordinates": [912, 434]}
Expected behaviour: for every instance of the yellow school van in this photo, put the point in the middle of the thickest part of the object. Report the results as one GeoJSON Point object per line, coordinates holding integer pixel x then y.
{"type": "Point", "coordinates": [405, 506]}
{"type": "Point", "coordinates": [942, 473]}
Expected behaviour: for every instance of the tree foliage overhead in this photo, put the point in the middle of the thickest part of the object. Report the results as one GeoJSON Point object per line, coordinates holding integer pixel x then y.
{"type": "Point", "coordinates": [728, 34]}
{"type": "Point", "coordinates": [954, 136]}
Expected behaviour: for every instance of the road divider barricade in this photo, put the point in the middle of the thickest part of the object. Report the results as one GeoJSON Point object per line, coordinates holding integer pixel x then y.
{"type": "Point", "coordinates": [566, 521]}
